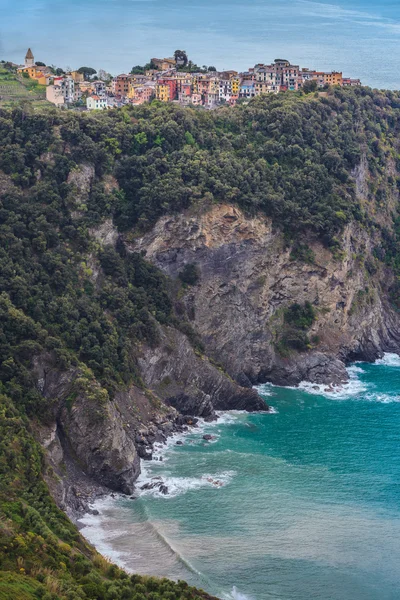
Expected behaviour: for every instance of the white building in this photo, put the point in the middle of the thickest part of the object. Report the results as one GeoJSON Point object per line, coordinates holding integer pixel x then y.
{"type": "Point", "coordinates": [29, 59]}
{"type": "Point", "coordinates": [225, 89]}
{"type": "Point", "coordinates": [96, 102]}
{"type": "Point", "coordinates": [99, 87]}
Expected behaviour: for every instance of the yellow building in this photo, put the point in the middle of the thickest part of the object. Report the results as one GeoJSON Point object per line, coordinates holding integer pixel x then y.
{"type": "Point", "coordinates": [162, 92]}
{"type": "Point", "coordinates": [235, 85]}
{"type": "Point", "coordinates": [333, 78]}
{"type": "Point", "coordinates": [213, 85]}
{"type": "Point", "coordinates": [76, 76]}
{"type": "Point", "coordinates": [40, 74]}
{"type": "Point", "coordinates": [42, 79]}
{"type": "Point", "coordinates": [164, 63]}
{"type": "Point", "coordinates": [32, 72]}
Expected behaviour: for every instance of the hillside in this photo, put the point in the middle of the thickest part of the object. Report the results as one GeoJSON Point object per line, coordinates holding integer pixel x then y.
{"type": "Point", "coordinates": [15, 88]}
{"type": "Point", "coordinates": [155, 263]}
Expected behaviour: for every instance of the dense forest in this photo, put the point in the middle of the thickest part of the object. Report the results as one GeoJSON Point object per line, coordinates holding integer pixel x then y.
{"type": "Point", "coordinates": [293, 157]}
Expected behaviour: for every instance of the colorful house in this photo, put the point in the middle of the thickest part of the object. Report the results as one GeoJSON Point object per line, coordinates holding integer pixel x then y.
{"type": "Point", "coordinates": [94, 102]}
{"type": "Point", "coordinates": [333, 78]}
{"type": "Point", "coordinates": [162, 92]}
{"type": "Point", "coordinates": [120, 85]}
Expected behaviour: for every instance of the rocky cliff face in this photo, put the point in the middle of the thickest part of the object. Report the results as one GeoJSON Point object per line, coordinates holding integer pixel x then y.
{"type": "Point", "coordinates": [248, 277]}
{"type": "Point", "coordinates": [189, 381]}
{"type": "Point", "coordinates": [94, 443]}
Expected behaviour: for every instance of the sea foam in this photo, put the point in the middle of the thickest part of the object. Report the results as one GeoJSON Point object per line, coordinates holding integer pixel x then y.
{"type": "Point", "coordinates": [180, 485]}
{"type": "Point", "coordinates": [389, 359]}
{"type": "Point", "coordinates": [236, 595]}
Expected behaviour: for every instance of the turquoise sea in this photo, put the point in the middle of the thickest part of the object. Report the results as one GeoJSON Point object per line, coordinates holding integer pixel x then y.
{"type": "Point", "coordinates": [300, 504]}
{"type": "Point", "coordinates": [359, 37]}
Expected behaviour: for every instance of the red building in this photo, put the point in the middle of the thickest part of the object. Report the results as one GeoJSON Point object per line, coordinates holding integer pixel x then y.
{"type": "Point", "coordinates": [172, 84]}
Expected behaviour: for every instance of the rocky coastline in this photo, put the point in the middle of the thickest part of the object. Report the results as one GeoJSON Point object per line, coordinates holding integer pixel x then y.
{"type": "Point", "coordinates": [246, 278]}
{"type": "Point", "coordinates": [93, 446]}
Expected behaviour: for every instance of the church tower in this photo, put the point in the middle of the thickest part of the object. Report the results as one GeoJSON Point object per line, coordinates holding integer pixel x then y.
{"type": "Point", "coordinates": [29, 60]}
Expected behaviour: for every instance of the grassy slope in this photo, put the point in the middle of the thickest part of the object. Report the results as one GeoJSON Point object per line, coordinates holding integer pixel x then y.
{"type": "Point", "coordinates": [15, 89]}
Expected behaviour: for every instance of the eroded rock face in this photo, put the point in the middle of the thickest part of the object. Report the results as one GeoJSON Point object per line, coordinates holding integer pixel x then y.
{"type": "Point", "coordinates": [189, 382]}
{"type": "Point", "coordinates": [246, 280]}
{"type": "Point", "coordinates": [102, 446]}
{"type": "Point", "coordinates": [88, 429]}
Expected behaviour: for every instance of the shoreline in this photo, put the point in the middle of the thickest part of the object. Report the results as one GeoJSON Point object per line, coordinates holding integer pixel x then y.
{"type": "Point", "coordinates": [92, 517]}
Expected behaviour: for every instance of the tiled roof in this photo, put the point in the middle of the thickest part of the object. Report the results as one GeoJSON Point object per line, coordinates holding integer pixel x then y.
{"type": "Point", "coordinates": [29, 54]}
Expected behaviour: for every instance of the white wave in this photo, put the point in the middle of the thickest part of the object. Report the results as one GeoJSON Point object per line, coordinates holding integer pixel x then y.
{"type": "Point", "coordinates": [228, 417]}
{"type": "Point", "coordinates": [99, 536]}
{"type": "Point", "coordinates": [180, 485]}
{"type": "Point", "coordinates": [353, 388]}
{"type": "Point", "coordinates": [382, 398]}
{"type": "Point", "coordinates": [355, 369]}
{"type": "Point", "coordinates": [265, 389]}
{"type": "Point", "coordinates": [236, 595]}
{"type": "Point", "coordinates": [389, 359]}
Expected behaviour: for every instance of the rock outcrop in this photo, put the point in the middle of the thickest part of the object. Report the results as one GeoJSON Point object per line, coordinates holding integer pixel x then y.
{"type": "Point", "coordinates": [189, 382]}
{"type": "Point", "coordinates": [87, 428]}
{"type": "Point", "coordinates": [94, 443]}
{"type": "Point", "coordinates": [247, 277]}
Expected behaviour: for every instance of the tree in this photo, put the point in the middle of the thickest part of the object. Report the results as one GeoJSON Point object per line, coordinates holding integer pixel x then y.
{"type": "Point", "coordinates": [104, 75]}
{"type": "Point", "coordinates": [181, 58]}
{"type": "Point", "coordinates": [189, 274]}
{"type": "Point", "coordinates": [137, 70]}
{"type": "Point", "coordinates": [57, 70]}
{"type": "Point", "coordinates": [211, 68]}
{"type": "Point", "coordinates": [310, 86]}
{"type": "Point", "coordinates": [87, 72]}
{"type": "Point", "coordinates": [40, 64]}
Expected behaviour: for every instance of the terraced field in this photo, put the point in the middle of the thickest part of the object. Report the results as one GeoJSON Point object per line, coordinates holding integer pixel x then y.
{"type": "Point", "coordinates": [14, 89]}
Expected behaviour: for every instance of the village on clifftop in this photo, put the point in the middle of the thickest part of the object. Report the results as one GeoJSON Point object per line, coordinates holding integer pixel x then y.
{"type": "Point", "coordinates": [176, 80]}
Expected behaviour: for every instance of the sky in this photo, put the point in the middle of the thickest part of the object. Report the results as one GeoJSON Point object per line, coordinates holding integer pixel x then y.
{"type": "Point", "coordinates": [359, 37]}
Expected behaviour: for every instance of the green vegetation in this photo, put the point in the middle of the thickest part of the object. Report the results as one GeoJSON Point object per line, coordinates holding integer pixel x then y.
{"type": "Point", "coordinates": [42, 555]}
{"type": "Point", "coordinates": [14, 89]}
{"type": "Point", "coordinates": [87, 72]}
{"type": "Point", "coordinates": [297, 320]}
{"type": "Point", "coordinates": [290, 157]}
{"type": "Point", "coordinates": [302, 253]}
{"type": "Point", "coordinates": [189, 274]}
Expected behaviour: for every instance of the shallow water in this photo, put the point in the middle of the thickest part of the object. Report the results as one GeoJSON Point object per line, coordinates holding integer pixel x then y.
{"type": "Point", "coordinates": [300, 504]}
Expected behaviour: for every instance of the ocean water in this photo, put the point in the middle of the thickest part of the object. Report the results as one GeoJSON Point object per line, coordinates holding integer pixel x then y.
{"type": "Point", "coordinates": [300, 504]}
{"type": "Point", "coordinates": [359, 37]}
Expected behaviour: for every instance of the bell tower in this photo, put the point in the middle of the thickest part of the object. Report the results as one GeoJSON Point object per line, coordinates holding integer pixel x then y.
{"type": "Point", "coordinates": [29, 60]}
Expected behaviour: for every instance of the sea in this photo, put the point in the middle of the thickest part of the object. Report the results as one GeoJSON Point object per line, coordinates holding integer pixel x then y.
{"type": "Point", "coordinates": [359, 37]}
{"type": "Point", "coordinates": [299, 503]}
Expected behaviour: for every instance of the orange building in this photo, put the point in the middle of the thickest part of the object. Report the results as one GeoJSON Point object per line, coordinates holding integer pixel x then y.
{"type": "Point", "coordinates": [334, 78]}
{"type": "Point", "coordinates": [120, 85]}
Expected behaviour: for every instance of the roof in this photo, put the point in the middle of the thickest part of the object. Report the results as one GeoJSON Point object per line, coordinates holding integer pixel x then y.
{"type": "Point", "coordinates": [29, 54]}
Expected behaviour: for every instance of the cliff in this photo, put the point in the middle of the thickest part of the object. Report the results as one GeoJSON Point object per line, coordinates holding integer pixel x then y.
{"type": "Point", "coordinates": [156, 263]}
{"type": "Point", "coordinates": [248, 276]}
{"type": "Point", "coordinates": [94, 443]}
